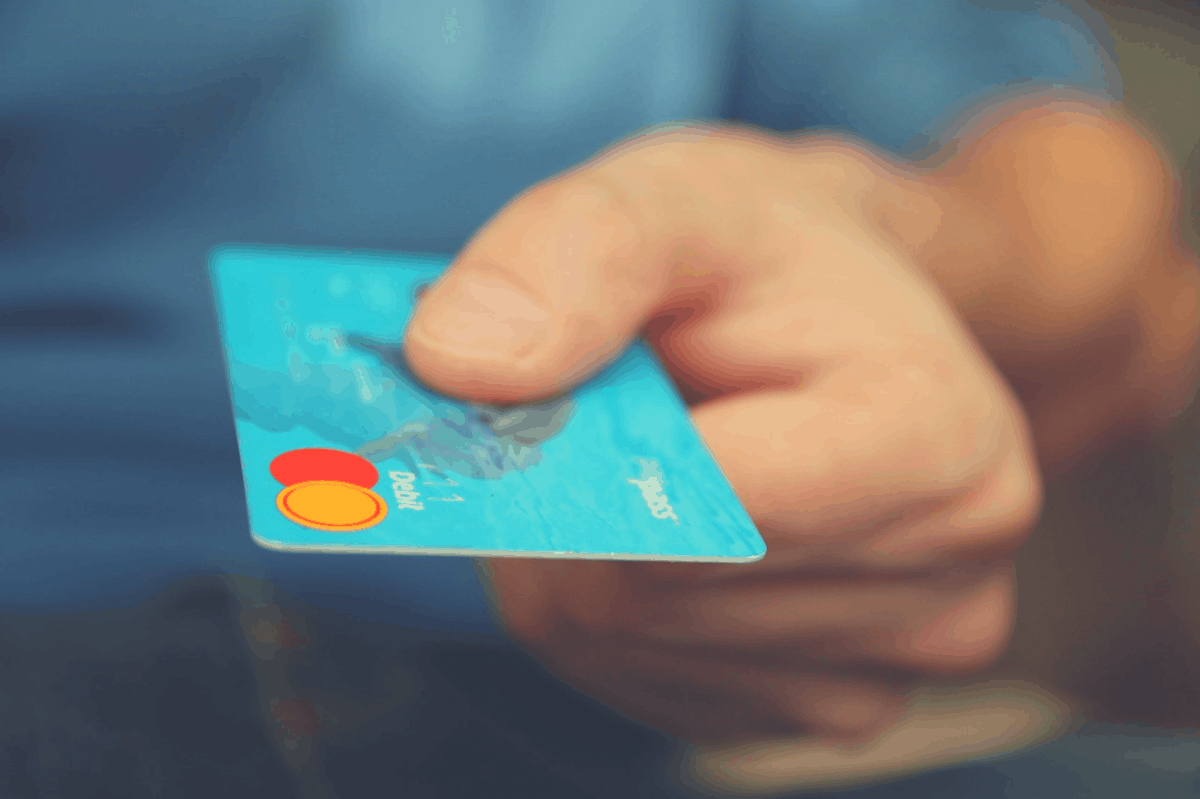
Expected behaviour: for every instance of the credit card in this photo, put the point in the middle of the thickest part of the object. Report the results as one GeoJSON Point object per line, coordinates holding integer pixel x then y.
{"type": "Point", "coordinates": [343, 449]}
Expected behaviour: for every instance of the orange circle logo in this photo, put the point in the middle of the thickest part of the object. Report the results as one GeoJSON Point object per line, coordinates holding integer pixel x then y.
{"type": "Point", "coordinates": [328, 489]}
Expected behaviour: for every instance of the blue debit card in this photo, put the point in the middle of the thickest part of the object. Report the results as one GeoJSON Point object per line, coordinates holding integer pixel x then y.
{"type": "Point", "coordinates": [344, 450]}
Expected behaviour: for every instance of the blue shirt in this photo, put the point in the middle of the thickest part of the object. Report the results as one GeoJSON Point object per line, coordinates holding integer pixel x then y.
{"type": "Point", "coordinates": [134, 136]}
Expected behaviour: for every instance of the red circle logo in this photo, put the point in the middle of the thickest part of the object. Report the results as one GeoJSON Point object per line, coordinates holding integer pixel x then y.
{"type": "Point", "coordinates": [315, 463]}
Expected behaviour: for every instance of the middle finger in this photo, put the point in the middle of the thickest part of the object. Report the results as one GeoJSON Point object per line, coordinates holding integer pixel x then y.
{"type": "Point", "coordinates": [946, 623]}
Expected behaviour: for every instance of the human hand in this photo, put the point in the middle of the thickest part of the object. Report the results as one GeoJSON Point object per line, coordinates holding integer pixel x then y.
{"type": "Point", "coordinates": [882, 457]}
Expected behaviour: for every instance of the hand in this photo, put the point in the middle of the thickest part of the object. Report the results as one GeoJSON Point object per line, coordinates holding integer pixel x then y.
{"type": "Point", "coordinates": [882, 457]}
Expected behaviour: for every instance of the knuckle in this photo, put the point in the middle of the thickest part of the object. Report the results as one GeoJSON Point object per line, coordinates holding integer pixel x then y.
{"type": "Point", "coordinates": [1004, 506]}
{"type": "Point", "coordinates": [950, 416]}
{"type": "Point", "coordinates": [977, 430]}
{"type": "Point", "coordinates": [1016, 495]}
{"type": "Point", "coordinates": [587, 194]}
{"type": "Point", "coordinates": [969, 638]}
{"type": "Point", "coordinates": [955, 439]}
{"type": "Point", "coordinates": [975, 444]}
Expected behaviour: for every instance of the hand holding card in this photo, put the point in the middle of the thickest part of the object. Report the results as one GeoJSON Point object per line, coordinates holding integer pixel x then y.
{"type": "Point", "coordinates": [885, 462]}
{"type": "Point", "coordinates": [344, 449]}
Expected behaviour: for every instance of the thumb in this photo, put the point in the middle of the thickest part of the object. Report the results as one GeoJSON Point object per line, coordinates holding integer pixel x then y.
{"type": "Point", "coordinates": [553, 288]}
{"type": "Point", "coordinates": [549, 292]}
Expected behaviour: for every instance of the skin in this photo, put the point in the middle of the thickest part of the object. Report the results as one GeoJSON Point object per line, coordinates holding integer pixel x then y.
{"type": "Point", "coordinates": [883, 358]}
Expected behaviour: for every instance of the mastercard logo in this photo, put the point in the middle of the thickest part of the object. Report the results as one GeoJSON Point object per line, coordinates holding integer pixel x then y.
{"type": "Point", "coordinates": [328, 489]}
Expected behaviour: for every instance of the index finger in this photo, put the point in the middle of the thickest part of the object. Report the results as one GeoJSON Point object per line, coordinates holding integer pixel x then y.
{"type": "Point", "coordinates": [562, 278]}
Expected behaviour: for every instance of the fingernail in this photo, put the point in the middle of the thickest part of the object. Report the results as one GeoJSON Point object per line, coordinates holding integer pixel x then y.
{"type": "Point", "coordinates": [488, 318]}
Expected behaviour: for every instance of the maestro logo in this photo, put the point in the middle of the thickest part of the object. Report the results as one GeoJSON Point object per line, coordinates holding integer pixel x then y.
{"type": "Point", "coordinates": [328, 489]}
